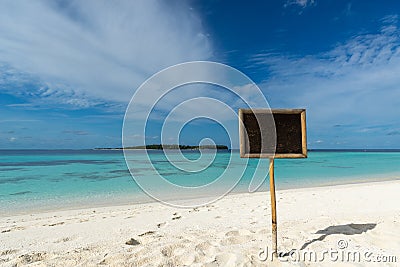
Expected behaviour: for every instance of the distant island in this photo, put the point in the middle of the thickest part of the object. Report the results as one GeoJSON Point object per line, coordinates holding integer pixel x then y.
{"type": "Point", "coordinates": [162, 147]}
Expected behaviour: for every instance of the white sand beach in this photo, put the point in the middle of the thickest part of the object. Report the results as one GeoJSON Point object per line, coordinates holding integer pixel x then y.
{"type": "Point", "coordinates": [360, 220]}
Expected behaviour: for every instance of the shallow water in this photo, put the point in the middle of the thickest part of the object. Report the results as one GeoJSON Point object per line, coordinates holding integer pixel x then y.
{"type": "Point", "coordinates": [59, 179]}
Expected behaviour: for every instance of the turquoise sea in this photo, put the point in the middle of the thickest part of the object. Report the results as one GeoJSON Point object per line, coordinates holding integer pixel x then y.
{"type": "Point", "coordinates": [36, 180]}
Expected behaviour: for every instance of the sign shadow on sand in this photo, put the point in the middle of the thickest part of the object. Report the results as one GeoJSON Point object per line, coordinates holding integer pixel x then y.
{"type": "Point", "coordinates": [346, 229]}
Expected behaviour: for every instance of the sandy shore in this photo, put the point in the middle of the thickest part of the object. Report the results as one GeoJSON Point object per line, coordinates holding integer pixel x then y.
{"type": "Point", "coordinates": [346, 225]}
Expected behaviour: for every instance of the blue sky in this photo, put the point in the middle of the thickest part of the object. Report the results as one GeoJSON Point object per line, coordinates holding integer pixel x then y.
{"type": "Point", "coordinates": [69, 68]}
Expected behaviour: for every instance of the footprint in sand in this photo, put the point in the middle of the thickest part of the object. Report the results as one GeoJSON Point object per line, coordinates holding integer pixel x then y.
{"type": "Point", "coordinates": [54, 224]}
{"type": "Point", "coordinates": [8, 252]}
{"type": "Point", "coordinates": [206, 248]}
{"type": "Point", "coordinates": [238, 232]}
{"type": "Point", "coordinates": [13, 229]}
{"type": "Point", "coordinates": [147, 233]}
{"type": "Point", "coordinates": [172, 250]}
{"type": "Point", "coordinates": [194, 210]}
{"type": "Point", "coordinates": [237, 237]}
{"type": "Point", "coordinates": [132, 242]}
{"type": "Point", "coordinates": [176, 217]}
{"type": "Point", "coordinates": [31, 258]}
{"type": "Point", "coordinates": [180, 257]}
{"type": "Point", "coordinates": [162, 224]}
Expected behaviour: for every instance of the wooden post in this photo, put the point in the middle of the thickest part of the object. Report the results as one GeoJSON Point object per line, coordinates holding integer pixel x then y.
{"type": "Point", "coordinates": [273, 207]}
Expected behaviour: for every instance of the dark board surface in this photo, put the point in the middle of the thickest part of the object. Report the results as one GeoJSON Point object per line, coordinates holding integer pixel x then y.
{"type": "Point", "coordinates": [286, 138]}
{"type": "Point", "coordinates": [288, 133]}
{"type": "Point", "coordinates": [255, 126]}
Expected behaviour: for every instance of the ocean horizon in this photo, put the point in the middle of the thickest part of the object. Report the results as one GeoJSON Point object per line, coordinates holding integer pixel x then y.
{"type": "Point", "coordinates": [46, 180]}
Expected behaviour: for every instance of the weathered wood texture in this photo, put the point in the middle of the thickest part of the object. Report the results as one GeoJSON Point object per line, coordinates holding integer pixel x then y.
{"type": "Point", "coordinates": [273, 207]}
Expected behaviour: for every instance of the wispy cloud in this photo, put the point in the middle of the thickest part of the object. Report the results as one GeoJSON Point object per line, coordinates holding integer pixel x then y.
{"type": "Point", "coordinates": [11, 120]}
{"type": "Point", "coordinates": [300, 3]}
{"type": "Point", "coordinates": [22, 105]}
{"type": "Point", "coordinates": [88, 53]}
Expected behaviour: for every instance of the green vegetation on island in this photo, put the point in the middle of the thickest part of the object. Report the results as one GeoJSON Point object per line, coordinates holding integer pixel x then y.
{"type": "Point", "coordinates": [161, 147]}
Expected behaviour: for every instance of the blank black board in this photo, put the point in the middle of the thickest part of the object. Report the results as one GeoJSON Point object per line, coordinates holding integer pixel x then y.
{"type": "Point", "coordinates": [289, 133]}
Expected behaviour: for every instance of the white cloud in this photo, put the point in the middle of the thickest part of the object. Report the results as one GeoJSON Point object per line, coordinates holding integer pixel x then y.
{"type": "Point", "coordinates": [300, 3]}
{"type": "Point", "coordinates": [84, 53]}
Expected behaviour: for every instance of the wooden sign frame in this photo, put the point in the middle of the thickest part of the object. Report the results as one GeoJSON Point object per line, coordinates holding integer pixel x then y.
{"type": "Point", "coordinates": [277, 114]}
